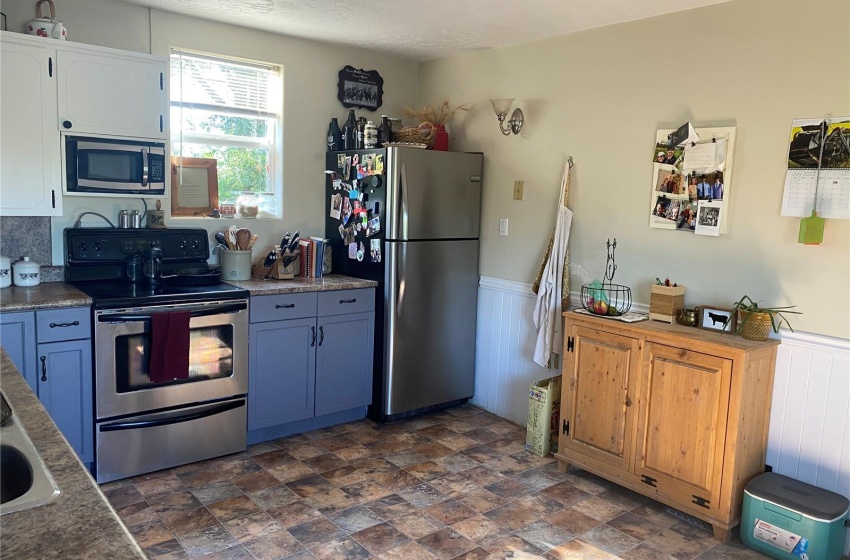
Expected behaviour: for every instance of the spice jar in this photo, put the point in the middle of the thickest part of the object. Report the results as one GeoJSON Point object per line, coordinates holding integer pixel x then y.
{"type": "Point", "coordinates": [26, 273]}
{"type": "Point", "coordinates": [247, 205]}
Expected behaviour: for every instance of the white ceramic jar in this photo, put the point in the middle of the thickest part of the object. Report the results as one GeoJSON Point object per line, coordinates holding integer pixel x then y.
{"type": "Point", "coordinates": [26, 273]}
{"type": "Point", "coordinates": [5, 272]}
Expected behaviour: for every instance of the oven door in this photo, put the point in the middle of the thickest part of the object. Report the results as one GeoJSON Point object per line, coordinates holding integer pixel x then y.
{"type": "Point", "coordinates": [218, 358]}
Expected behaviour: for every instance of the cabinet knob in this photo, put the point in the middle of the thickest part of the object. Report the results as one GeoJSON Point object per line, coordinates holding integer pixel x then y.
{"type": "Point", "coordinates": [67, 124]}
{"type": "Point", "coordinates": [628, 401]}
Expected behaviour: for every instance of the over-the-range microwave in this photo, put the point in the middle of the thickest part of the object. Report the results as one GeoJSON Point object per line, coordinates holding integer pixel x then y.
{"type": "Point", "coordinates": [110, 166]}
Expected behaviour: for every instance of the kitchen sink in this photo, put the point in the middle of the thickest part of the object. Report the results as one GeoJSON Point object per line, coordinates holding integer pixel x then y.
{"type": "Point", "coordinates": [25, 481]}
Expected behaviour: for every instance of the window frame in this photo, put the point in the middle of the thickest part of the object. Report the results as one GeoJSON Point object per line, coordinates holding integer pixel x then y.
{"type": "Point", "coordinates": [273, 142]}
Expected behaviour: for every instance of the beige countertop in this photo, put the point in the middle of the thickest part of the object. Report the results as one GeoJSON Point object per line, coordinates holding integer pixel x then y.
{"type": "Point", "coordinates": [46, 295]}
{"type": "Point", "coordinates": [297, 285]}
{"type": "Point", "coordinates": [78, 524]}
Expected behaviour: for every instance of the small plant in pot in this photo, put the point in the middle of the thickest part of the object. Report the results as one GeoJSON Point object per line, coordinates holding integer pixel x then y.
{"type": "Point", "coordinates": [755, 321]}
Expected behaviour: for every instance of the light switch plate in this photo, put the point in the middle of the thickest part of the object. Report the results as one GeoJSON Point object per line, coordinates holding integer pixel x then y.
{"type": "Point", "coordinates": [518, 188]}
{"type": "Point", "coordinates": [503, 227]}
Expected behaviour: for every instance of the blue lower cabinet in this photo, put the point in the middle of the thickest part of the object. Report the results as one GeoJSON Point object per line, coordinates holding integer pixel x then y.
{"type": "Point", "coordinates": [344, 362]}
{"type": "Point", "coordinates": [64, 373]}
{"type": "Point", "coordinates": [310, 372]}
{"type": "Point", "coordinates": [17, 336]}
{"type": "Point", "coordinates": [282, 372]}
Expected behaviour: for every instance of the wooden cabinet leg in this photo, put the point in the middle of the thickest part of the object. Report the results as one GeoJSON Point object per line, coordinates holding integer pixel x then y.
{"type": "Point", "coordinates": [721, 534]}
{"type": "Point", "coordinates": [563, 466]}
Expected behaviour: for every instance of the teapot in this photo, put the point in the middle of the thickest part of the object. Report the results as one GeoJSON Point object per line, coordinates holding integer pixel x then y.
{"type": "Point", "coordinates": [49, 27]}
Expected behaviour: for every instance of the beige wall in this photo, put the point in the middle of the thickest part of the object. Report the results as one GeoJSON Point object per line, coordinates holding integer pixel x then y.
{"type": "Point", "coordinates": [600, 95]}
{"type": "Point", "coordinates": [310, 77]}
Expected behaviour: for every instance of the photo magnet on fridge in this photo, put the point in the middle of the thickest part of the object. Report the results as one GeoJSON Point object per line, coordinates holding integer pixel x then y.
{"type": "Point", "coordinates": [341, 231]}
{"type": "Point", "coordinates": [375, 250]}
{"type": "Point", "coordinates": [352, 251]}
{"type": "Point", "coordinates": [346, 168]}
{"type": "Point", "coordinates": [373, 227]}
{"type": "Point", "coordinates": [336, 206]}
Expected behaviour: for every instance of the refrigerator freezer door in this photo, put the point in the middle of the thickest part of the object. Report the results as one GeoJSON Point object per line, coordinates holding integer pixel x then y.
{"type": "Point", "coordinates": [433, 195]}
{"type": "Point", "coordinates": [430, 316]}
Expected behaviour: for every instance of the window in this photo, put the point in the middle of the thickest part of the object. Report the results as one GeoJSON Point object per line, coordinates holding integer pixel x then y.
{"type": "Point", "coordinates": [229, 110]}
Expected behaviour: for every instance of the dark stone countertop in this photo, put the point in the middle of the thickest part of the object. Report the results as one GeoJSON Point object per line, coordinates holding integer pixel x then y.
{"type": "Point", "coordinates": [47, 295]}
{"type": "Point", "coordinates": [298, 284]}
{"type": "Point", "coordinates": [78, 524]}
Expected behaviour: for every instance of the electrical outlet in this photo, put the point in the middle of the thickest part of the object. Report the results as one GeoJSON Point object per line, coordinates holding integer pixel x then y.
{"type": "Point", "coordinates": [503, 227]}
{"type": "Point", "coordinates": [518, 187]}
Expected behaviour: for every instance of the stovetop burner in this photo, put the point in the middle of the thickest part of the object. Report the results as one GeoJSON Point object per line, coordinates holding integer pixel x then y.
{"type": "Point", "coordinates": [96, 263]}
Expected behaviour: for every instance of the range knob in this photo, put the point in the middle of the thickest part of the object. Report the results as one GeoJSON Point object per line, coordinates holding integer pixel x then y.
{"type": "Point", "coordinates": [182, 243]}
{"type": "Point", "coordinates": [83, 246]}
{"type": "Point", "coordinates": [196, 244]}
{"type": "Point", "coordinates": [96, 246]}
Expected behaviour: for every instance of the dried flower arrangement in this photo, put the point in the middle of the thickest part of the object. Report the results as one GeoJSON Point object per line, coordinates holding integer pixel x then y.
{"type": "Point", "coordinates": [438, 116]}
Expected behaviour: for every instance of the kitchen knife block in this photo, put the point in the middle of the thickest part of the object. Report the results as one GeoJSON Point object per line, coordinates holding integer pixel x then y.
{"type": "Point", "coordinates": [277, 270]}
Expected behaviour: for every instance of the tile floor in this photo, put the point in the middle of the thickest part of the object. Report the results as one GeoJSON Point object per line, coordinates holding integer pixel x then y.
{"type": "Point", "coordinates": [455, 484]}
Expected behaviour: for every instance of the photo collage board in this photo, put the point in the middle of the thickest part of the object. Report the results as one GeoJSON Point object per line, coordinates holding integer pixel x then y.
{"type": "Point", "coordinates": [356, 175]}
{"type": "Point", "coordinates": [692, 168]}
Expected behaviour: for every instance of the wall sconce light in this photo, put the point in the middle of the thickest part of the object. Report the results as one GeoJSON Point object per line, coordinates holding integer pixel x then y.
{"type": "Point", "coordinates": [501, 107]}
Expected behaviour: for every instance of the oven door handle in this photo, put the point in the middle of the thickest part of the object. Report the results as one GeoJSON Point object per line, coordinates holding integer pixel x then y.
{"type": "Point", "coordinates": [127, 317]}
{"type": "Point", "coordinates": [138, 424]}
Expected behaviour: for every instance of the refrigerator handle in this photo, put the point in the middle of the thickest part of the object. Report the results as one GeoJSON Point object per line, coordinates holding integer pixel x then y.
{"type": "Point", "coordinates": [402, 277]}
{"type": "Point", "coordinates": [403, 188]}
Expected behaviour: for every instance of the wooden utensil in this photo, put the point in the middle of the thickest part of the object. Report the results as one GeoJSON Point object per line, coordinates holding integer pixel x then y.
{"type": "Point", "coordinates": [253, 240]}
{"type": "Point", "coordinates": [243, 237]}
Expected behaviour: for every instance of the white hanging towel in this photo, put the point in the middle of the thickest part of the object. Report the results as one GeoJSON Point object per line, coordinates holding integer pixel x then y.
{"type": "Point", "coordinates": [547, 311]}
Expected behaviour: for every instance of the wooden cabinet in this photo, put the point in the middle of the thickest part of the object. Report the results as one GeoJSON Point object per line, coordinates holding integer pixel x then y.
{"type": "Point", "coordinates": [675, 413]}
{"type": "Point", "coordinates": [113, 93]}
{"type": "Point", "coordinates": [30, 184]}
{"type": "Point", "coordinates": [310, 362]}
{"type": "Point", "coordinates": [53, 351]}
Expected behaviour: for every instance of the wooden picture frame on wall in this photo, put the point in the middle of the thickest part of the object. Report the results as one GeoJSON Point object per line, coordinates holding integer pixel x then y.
{"type": "Point", "coordinates": [197, 193]}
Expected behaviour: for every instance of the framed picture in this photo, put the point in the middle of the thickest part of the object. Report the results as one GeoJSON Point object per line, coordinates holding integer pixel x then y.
{"type": "Point", "coordinates": [717, 319]}
{"type": "Point", "coordinates": [194, 186]}
{"type": "Point", "coordinates": [360, 88]}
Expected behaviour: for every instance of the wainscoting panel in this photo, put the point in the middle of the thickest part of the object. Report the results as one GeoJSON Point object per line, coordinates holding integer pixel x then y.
{"type": "Point", "coordinates": [809, 436]}
{"type": "Point", "coordinates": [504, 365]}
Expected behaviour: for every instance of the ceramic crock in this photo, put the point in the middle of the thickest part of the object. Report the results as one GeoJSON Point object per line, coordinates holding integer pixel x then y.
{"type": "Point", "coordinates": [5, 272]}
{"type": "Point", "coordinates": [26, 273]}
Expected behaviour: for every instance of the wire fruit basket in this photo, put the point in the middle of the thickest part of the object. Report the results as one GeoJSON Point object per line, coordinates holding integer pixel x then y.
{"type": "Point", "coordinates": [607, 298]}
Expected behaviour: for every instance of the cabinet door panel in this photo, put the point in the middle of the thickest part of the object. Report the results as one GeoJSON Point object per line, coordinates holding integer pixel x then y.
{"type": "Point", "coordinates": [681, 433]}
{"type": "Point", "coordinates": [600, 382]}
{"type": "Point", "coordinates": [282, 372]}
{"type": "Point", "coordinates": [113, 93]}
{"type": "Point", "coordinates": [29, 137]}
{"type": "Point", "coordinates": [17, 336]}
{"type": "Point", "coordinates": [344, 362]}
{"type": "Point", "coordinates": [65, 389]}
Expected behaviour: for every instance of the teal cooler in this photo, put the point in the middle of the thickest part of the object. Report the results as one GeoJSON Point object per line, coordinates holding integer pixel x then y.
{"type": "Point", "coordinates": [791, 520]}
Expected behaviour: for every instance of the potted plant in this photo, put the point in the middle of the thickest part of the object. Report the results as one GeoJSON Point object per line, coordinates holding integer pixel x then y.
{"type": "Point", "coordinates": [756, 321]}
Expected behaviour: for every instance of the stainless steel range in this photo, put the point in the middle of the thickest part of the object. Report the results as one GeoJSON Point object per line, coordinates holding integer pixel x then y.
{"type": "Point", "coordinates": [146, 422]}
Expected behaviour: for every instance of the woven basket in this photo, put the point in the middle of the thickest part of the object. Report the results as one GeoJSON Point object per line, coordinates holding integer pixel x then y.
{"type": "Point", "coordinates": [425, 133]}
{"type": "Point", "coordinates": [757, 326]}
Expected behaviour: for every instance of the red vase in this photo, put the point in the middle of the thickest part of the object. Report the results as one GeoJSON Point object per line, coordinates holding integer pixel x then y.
{"type": "Point", "coordinates": [441, 139]}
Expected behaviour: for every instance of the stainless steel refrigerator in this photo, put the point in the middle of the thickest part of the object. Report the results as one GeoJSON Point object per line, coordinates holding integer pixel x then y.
{"type": "Point", "coordinates": [428, 206]}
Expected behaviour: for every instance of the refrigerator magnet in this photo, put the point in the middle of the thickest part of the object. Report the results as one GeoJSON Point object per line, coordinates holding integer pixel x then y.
{"type": "Point", "coordinates": [341, 231]}
{"type": "Point", "coordinates": [379, 164]}
{"type": "Point", "coordinates": [346, 209]}
{"type": "Point", "coordinates": [373, 227]}
{"type": "Point", "coordinates": [376, 208]}
{"type": "Point", "coordinates": [346, 168]}
{"type": "Point", "coordinates": [336, 206]}
{"type": "Point", "coordinates": [353, 194]}
{"type": "Point", "coordinates": [352, 251]}
{"type": "Point", "coordinates": [375, 250]}
{"type": "Point", "coordinates": [361, 252]}
{"type": "Point", "coordinates": [340, 161]}
{"type": "Point", "coordinates": [349, 235]}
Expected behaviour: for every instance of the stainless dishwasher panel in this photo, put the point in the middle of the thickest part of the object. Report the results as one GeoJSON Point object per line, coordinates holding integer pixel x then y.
{"type": "Point", "coordinates": [151, 442]}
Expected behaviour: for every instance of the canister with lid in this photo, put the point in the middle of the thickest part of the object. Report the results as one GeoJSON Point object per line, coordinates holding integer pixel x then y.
{"type": "Point", "coordinates": [26, 273]}
{"type": "Point", "coordinates": [5, 272]}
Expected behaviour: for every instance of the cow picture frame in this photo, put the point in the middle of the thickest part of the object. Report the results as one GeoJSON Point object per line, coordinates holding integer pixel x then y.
{"type": "Point", "coordinates": [360, 88]}
{"type": "Point", "coordinates": [719, 319]}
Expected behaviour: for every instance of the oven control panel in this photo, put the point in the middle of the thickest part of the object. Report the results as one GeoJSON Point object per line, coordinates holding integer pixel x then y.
{"type": "Point", "coordinates": [103, 245]}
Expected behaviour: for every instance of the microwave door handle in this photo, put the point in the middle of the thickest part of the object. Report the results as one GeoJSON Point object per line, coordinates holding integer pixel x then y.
{"type": "Point", "coordinates": [145, 167]}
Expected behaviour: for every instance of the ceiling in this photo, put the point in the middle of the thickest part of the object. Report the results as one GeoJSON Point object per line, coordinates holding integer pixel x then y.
{"type": "Point", "coordinates": [423, 29]}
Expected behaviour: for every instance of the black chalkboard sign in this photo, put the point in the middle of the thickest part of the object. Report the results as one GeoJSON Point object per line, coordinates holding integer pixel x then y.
{"type": "Point", "coordinates": [360, 88]}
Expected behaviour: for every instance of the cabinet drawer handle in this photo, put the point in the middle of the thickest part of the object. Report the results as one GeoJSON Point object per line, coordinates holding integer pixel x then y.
{"type": "Point", "coordinates": [43, 368]}
{"type": "Point", "coordinates": [287, 306]}
{"type": "Point", "coordinates": [74, 324]}
{"type": "Point", "coordinates": [313, 342]}
{"type": "Point", "coordinates": [321, 335]}
{"type": "Point", "coordinates": [352, 300]}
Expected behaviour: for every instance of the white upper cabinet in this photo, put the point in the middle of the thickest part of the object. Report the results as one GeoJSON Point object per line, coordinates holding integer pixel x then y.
{"type": "Point", "coordinates": [30, 160]}
{"type": "Point", "coordinates": [113, 93]}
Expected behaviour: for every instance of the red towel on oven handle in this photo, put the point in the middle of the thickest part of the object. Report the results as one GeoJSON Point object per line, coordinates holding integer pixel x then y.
{"type": "Point", "coordinates": [169, 346]}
